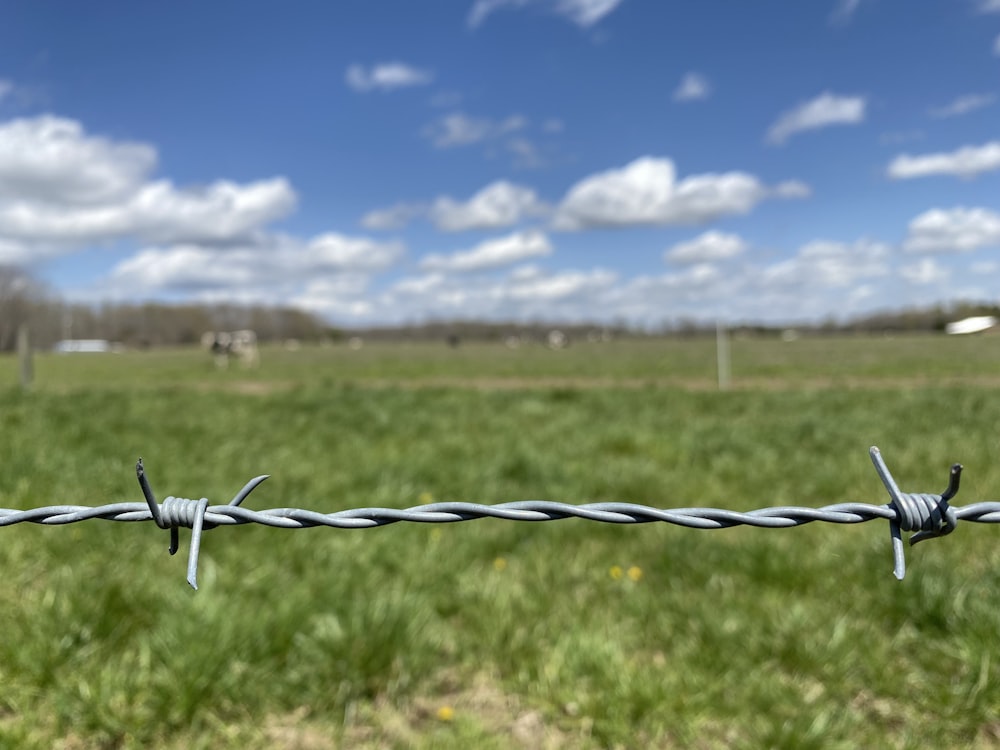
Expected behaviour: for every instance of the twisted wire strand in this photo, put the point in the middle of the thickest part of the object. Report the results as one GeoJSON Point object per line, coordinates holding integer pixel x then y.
{"type": "Point", "coordinates": [780, 517]}
{"type": "Point", "coordinates": [927, 514]}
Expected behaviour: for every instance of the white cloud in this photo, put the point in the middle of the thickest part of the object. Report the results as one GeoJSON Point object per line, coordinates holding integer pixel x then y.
{"type": "Point", "coordinates": [526, 153]}
{"type": "Point", "coordinates": [5, 88]}
{"type": "Point", "coordinates": [710, 246]}
{"type": "Point", "coordinates": [925, 271]}
{"type": "Point", "coordinates": [825, 263]}
{"type": "Point", "coordinates": [499, 204]}
{"type": "Point", "coordinates": [482, 9]}
{"type": "Point", "coordinates": [522, 294]}
{"type": "Point", "coordinates": [492, 253]}
{"type": "Point", "coordinates": [586, 12]}
{"type": "Point", "coordinates": [963, 105]}
{"type": "Point", "coordinates": [394, 217]}
{"type": "Point", "coordinates": [157, 212]}
{"type": "Point", "coordinates": [844, 11]}
{"type": "Point", "coordinates": [968, 161]}
{"type": "Point", "coordinates": [583, 13]}
{"type": "Point", "coordinates": [386, 76]}
{"type": "Point", "coordinates": [824, 111]}
{"type": "Point", "coordinates": [647, 192]}
{"type": "Point", "coordinates": [336, 252]}
{"type": "Point", "coordinates": [791, 189]}
{"type": "Point", "coordinates": [344, 297]}
{"type": "Point", "coordinates": [693, 86]}
{"type": "Point", "coordinates": [458, 129]}
{"type": "Point", "coordinates": [274, 263]}
{"type": "Point", "coordinates": [989, 6]}
{"type": "Point", "coordinates": [996, 46]}
{"type": "Point", "coordinates": [822, 278]}
{"type": "Point", "coordinates": [561, 285]}
{"type": "Point", "coordinates": [953, 230]}
{"type": "Point", "coordinates": [62, 189]}
{"type": "Point", "coordinates": [51, 160]}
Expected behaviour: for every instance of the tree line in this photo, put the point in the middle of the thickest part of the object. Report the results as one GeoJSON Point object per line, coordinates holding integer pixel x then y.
{"type": "Point", "coordinates": [50, 319]}
{"type": "Point", "coordinates": [23, 300]}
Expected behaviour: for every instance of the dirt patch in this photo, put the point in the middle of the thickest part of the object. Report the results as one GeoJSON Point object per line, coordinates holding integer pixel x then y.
{"type": "Point", "coordinates": [771, 384]}
{"type": "Point", "coordinates": [687, 384]}
{"type": "Point", "coordinates": [477, 707]}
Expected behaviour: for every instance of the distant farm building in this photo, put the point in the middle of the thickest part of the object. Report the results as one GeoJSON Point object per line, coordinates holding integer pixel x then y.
{"type": "Point", "coordinates": [67, 346]}
{"type": "Point", "coordinates": [972, 325]}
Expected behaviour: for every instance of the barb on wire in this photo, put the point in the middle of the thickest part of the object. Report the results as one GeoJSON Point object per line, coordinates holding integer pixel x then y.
{"type": "Point", "coordinates": [926, 514]}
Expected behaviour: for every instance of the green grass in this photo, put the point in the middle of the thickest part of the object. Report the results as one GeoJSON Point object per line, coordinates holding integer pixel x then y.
{"type": "Point", "coordinates": [332, 638]}
{"type": "Point", "coordinates": [756, 363]}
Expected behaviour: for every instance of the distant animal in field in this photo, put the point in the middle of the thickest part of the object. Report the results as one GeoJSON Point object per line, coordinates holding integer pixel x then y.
{"type": "Point", "coordinates": [229, 345]}
{"type": "Point", "coordinates": [557, 340]}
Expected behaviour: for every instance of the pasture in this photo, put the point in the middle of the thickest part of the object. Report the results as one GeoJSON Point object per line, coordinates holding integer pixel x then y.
{"type": "Point", "coordinates": [495, 634]}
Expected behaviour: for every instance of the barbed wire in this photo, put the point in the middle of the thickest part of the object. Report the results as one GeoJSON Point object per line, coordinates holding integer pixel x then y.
{"type": "Point", "coordinates": [927, 514]}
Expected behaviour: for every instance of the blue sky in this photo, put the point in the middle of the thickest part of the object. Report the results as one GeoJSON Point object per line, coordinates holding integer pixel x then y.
{"type": "Point", "coordinates": [386, 161]}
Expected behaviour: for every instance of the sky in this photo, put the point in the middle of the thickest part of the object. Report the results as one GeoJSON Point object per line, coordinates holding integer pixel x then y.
{"type": "Point", "coordinates": [384, 162]}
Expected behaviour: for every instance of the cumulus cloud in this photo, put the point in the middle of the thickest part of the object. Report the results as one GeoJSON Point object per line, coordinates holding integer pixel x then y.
{"type": "Point", "coordinates": [953, 230]}
{"type": "Point", "coordinates": [925, 271]}
{"type": "Point", "coordinates": [968, 161]}
{"type": "Point", "coordinates": [159, 212]}
{"type": "Point", "coordinates": [830, 264]}
{"type": "Point", "coordinates": [822, 277]}
{"type": "Point", "coordinates": [963, 105]}
{"type": "Point", "coordinates": [499, 204]}
{"type": "Point", "coordinates": [494, 253]}
{"type": "Point", "coordinates": [560, 286]}
{"type": "Point", "coordinates": [344, 296]}
{"type": "Point", "coordinates": [791, 189]}
{"type": "Point", "coordinates": [386, 77]}
{"type": "Point", "coordinates": [647, 192]}
{"type": "Point", "coordinates": [396, 216]}
{"type": "Point", "coordinates": [52, 160]}
{"type": "Point", "coordinates": [458, 129]}
{"type": "Point", "coordinates": [989, 6]}
{"type": "Point", "coordinates": [583, 13]}
{"type": "Point", "coordinates": [274, 261]}
{"type": "Point", "coordinates": [62, 189]}
{"type": "Point", "coordinates": [824, 111]}
{"type": "Point", "coordinates": [693, 86]}
{"type": "Point", "coordinates": [523, 293]}
{"type": "Point", "coordinates": [707, 247]}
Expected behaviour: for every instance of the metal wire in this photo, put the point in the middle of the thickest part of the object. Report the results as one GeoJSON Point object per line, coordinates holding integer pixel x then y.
{"type": "Point", "coordinates": [927, 514]}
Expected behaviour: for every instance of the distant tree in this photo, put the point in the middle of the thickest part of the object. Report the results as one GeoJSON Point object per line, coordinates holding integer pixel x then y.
{"type": "Point", "coordinates": [21, 299]}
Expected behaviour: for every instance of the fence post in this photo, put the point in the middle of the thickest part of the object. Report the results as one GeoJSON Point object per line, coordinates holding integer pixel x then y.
{"type": "Point", "coordinates": [722, 354]}
{"type": "Point", "coordinates": [27, 368]}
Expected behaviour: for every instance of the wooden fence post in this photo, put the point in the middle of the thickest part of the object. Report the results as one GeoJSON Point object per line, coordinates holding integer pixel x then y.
{"type": "Point", "coordinates": [24, 356]}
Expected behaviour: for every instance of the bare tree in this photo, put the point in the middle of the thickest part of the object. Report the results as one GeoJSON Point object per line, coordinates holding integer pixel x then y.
{"type": "Point", "coordinates": [20, 298]}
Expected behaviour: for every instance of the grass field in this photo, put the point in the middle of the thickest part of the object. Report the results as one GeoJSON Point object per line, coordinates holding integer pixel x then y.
{"type": "Point", "coordinates": [489, 633]}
